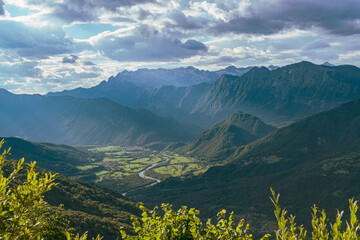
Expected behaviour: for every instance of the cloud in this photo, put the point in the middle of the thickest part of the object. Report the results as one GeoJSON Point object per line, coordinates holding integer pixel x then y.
{"type": "Point", "coordinates": [332, 16]}
{"type": "Point", "coordinates": [86, 10]}
{"type": "Point", "coordinates": [33, 42]}
{"type": "Point", "coordinates": [72, 59]}
{"type": "Point", "coordinates": [248, 25]}
{"type": "Point", "coordinates": [21, 69]}
{"type": "Point", "coordinates": [181, 21]}
{"type": "Point", "coordinates": [88, 63]}
{"type": "Point", "coordinates": [143, 14]}
{"type": "Point", "coordinates": [317, 44]}
{"type": "Point", "coordinates": [85, 75]}
{"type": "Point", "coordinates": [147, 45]}
{"type": "Point", "coordinates": [2, 10]}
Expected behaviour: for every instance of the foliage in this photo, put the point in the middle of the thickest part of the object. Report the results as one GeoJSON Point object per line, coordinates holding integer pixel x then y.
{"type": "Point", "coordinates": [23, 212]}
{"type": "Point", "coordinates": [186, 225]}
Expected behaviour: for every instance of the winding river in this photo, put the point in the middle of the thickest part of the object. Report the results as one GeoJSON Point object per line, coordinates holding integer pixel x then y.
{"type": "Point", "coordinates": [142, 175]}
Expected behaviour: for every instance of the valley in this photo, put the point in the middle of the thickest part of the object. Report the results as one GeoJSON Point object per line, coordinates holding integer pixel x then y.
{"type": "Point", "coordinates": [125, 169]}
{"type": "Point", "coordinates": [216, 145]}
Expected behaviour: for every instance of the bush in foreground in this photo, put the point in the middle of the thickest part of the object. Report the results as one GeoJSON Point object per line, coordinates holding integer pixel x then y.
{"type": "Point", "coordinates": [185, 224]}
{"type": "Point", "coordinates": [23, 212]}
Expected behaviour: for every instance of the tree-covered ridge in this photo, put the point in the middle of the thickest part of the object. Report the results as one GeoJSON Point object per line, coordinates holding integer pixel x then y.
{"type": "Point", "coordinates": [226, 136]}
{"type": "Point", "coordinates": [61, 159]}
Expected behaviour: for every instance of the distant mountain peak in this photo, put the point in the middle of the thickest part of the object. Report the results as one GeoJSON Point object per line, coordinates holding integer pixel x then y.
{"type": "Point", "coordinates": [231, 68]}
{"type": "Point", "coordinates": [328, 64]}
{"type": "Point", "coordinates": [272, 67]}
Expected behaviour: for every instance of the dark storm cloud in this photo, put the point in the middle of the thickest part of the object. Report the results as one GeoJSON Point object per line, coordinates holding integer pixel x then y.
{"type": "Point", "coordinates": [184, 22]}
{"type": "Point", "coordinates": [85, 10]}
{"type": "Point", "coordinates": [333, 16]}
{"type": "Point", "coordinates": [2, 10]}
{"type": "Point", "coordinates": [72, 59]}
{"type": "Point", "coordinates": [33, 42]}
{"type": "Point", "coordinates": [140, 47]}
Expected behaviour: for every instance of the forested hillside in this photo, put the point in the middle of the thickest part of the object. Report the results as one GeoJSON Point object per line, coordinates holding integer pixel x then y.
{"type": "Point", "coordinates": [313, 161]}
{"type": "Point", "coordinates": [223, 138]}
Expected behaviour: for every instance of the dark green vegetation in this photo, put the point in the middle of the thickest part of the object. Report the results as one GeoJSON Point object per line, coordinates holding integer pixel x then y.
{"type": "Point", "coordinates": [91, 208]}
{"type": "Point", "coordinates": [223, 138]}
{"type": "Point", "coordinates": [279, 97]}
{"type": "Point", "coordinates": [185, 224]}
{"type": "Point", "coordinates": [25, 215]}
{"type": "Point", "coordinates": [87, 207]}
{"type": "Point", "coordinates": [316, 160]}
{"type": "Point", "coordinates": [85, 121]}
{"type": "Point", "coordinates": [62, 159]}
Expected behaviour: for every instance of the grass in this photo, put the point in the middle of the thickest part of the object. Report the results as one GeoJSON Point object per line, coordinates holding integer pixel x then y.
{"type": "Point", "coordinates": [106, 149]}
{"type": "Point", "coordinates": [119, 169]}
{"type": "Point", "coordinates": [86, 167]}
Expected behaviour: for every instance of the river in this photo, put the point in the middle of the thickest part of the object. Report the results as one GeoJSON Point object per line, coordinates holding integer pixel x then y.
{"type": "Point", "coordinates": [142, 175]}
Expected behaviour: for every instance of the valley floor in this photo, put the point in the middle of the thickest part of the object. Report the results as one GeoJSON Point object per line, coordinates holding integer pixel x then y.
{"type": "Point", "coordinates": [125, 169]}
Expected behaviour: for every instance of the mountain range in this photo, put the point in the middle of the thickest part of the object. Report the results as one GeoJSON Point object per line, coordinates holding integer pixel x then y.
{"type": "Point", "coordinates": [278, 97]}
{"type": "Point", "coordinates": [127, 86]}
{"type": "Point", "coordinates": [313, 161]}
{"type": "Point", "coordinates": [85, 122]}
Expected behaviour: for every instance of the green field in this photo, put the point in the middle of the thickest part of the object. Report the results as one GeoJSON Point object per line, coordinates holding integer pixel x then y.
{"type": "Point", "coordinates": [119, 168]}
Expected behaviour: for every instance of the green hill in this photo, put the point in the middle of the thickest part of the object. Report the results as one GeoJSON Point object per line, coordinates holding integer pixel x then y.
{"type": "Point", "coordinates": [86, 206]}
{"type": "Point", "coordinates": [223, 138]}
{"type": "Point", "coordinates": [63, 159]}
{"type": "Point", "coordinates": [314, 161]}
{"type": "Point", "coordinates": [84, 121]}
{"type": "Point", "coordinates": [279, 97]}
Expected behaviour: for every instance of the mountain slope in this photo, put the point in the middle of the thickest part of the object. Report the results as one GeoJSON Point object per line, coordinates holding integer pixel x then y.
{"type": "Point", "coordinates": [223, 138]}
{"type": "Point", "coordinates": [176, 102]}
{"type": "Point", "coordinates": [278, 97]}
{"type": "Point", "coordinates": [285, 94]}
{"type": "Point", "coordinates": [84, 121]}
{"type": "Point", "coordinates": [57, 158]}
{"type": "Point", "coordinates": [127, 86]}
{"type": "Point", "coordinates": [316, 160]}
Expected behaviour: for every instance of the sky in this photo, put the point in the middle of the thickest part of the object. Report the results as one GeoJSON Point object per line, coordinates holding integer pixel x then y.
{"type": "Point", "coordinates": [52, 45]}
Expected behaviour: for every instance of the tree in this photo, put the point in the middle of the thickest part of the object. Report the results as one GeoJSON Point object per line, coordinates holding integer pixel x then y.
{"type": "Point", "coordinates": [23, 212]}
